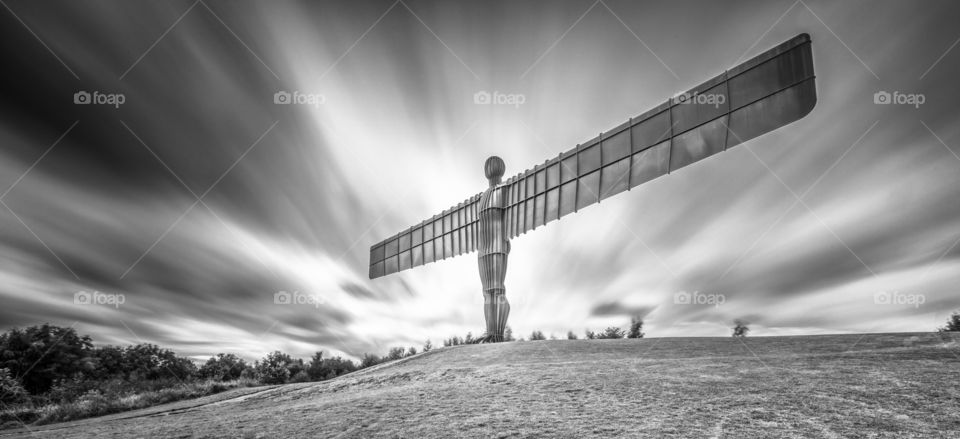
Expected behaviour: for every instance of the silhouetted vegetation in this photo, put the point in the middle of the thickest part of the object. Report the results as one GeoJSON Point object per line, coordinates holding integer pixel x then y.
{"type": "Point", "coordinates": [953, 323]}
{"type": "Point", "coordinates": [571, 335]}
{"type": "Point", "coordinates": [636, 328]}
{"type": "Point", "coordinates": [611, 332]}
{"type": "Point", "coordinates": [740, 328]}
{"type": "Point", "coordinates": [223, 367]}
{"type": "Point", "coordinates": [537, 335]}
{"type": "Point", "coordinates": [52, 374]}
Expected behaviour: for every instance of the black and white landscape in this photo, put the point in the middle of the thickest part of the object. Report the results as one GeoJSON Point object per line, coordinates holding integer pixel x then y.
{"type": "Point", "coordinates": [190, 190]}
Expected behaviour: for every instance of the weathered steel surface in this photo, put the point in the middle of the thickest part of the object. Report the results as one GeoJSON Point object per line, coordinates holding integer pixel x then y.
{"type": "Point", "coordinates": [493, 247]}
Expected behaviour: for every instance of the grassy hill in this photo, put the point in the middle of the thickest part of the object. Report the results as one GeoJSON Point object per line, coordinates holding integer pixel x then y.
{"type": "Point", "coordinates": [870, 385]}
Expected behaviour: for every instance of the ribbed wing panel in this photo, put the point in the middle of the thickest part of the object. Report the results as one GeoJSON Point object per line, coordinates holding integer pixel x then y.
{"type": "Point", "coordinates": [452, 232]}
{"type": "Point", "coordinates": [762, 94]}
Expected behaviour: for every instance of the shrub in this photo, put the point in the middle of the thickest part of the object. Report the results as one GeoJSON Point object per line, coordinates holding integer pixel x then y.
{"type": "Point", "coordinates": [571, 335]}
{"type": "Point", "coordinates": [150, 362]}
{"type": "Point", "coordinates": [273, 368]}
{"type": "Point", "coordinates": [223, 367]}
{"type": "Point", "coordinates": [395, 353]}
{"type": "Point", "coordinates": [740, 328]}
{"type": "Point", "coordinates": [611, 332]}
{"type": "Point", "coordinates": [48, 352]}
{"type": "Point", "coordinates": [636, 328]}
{"type": "Point", "coordinates": [300, 377]}
{"type": "Point", "coordinates": [296, 366]}
{"type": "Point", "coordinates": [370, 360]}
{"type": "Point", "coordinates": [427, 346]}
{"type": "Point", "coordinates": [11, 391]}
{"type": "Point", "coordinates": [590, 335]}
{"type": "Point", "coordinates": [508, 334]}
{"type": "Point", "coordinates": [953, 323]}
{"type": "Point", "coordinates": [537, 335]}
{"type": "Point", "coordinates": [411, 351]}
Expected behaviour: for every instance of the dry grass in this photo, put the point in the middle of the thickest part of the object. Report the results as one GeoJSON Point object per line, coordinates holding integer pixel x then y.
{"type": "Point", "coordinates": [94, 404]}
{"type": "Point", "coordinates": [878, 385]}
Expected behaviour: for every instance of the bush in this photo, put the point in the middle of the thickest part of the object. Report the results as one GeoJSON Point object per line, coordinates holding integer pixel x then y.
{"type": "Point", "coordinates": [571, 335]}
{"type": "Point", "coordinates": [537, 335]}
{"type": "Point", "coordinates": [273, 368]}
{"type": "Point", "coordinates": [223, 367]}
{"type": "Point", "coordinates": [395, 353]}
{"type": "Point", "coordinates": [953, 323]}
{"type": "Point", "coordinates": [740, 328]}
{"type": "Point", "coordinates": [508, 334]}
{"type": "Point", "coordinates": [611, 332]}
{"type": "Point", "coordinates": [636, 328]}
{"type": "Point", "coordinates": [427, 346]}
{"type": "Point", "coordinates": [326, 368]}
{"type": "Point", "coordinates": [590, 335]}
{"type": "Point", "coordinates": [151, 362]}
{"type": "Point", "coordinates": [47, 352]}
{"type": "Point", "coordinates": [11, 391]}
{"type": "Point", "coordinates": [370, 360]}
{"type": "Point", "coordinates": [300, 377]}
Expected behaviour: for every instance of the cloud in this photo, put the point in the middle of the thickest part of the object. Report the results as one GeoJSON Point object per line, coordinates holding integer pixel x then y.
{"type": "Point", "coordinates": [398, 139]}
{"type": "Point", "coordinates": [619, 309]}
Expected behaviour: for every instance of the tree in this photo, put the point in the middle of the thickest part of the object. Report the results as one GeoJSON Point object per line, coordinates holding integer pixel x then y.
{"type": "Point", "coordinates": [39, 355]}
{"type": "Point", "coordinates": [370, 360]}
{"type": "Point", "coordinates": [571, 335]}
{"type": "Point", "coordinates": [223, 367]}
{"type": "Point", "coordinates": [953, 323]}
{"type": "Point", "coordinates": [316, 370]}
{"type": "Point", "coordinates": [740, 328]}
{"type": "Point", "coordinates": [468, 339]}
{"type": "Point", "coordinates": [110, 362]}
{"type": "Point", "coordinates": [537, 335]}
{"type": "Point", "coordinates": [427, 346]}
{"type": "Point", "coordinates": [147, 361]}
{"type": "Point", "coordinates": [296, 366]}
{"type": "Point", "coordinates": [508, 334]}
{"type": "Point", "coordinates": [11, 391]}
{"type": "Point", "coordinates": [326, 368]}
{"type": "Point", "coordinates": [636, 328]}
{"type": "Point", "coordinates": [612, 332]}
{"type": "Point", "coordinates": [272, 369]}
{"type": "Point", "coordinates": [590, 335]}
{"type": "Point", "coordinates": [411, 351]}
{"type": "Point", "coordinates": [395, 353]}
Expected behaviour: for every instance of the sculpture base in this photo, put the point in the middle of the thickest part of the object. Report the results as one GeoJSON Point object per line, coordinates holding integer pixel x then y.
{"type": "Point", "coordinates": [489, 339]}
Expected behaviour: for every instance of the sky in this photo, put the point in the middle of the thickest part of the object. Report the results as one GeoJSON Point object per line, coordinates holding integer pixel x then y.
{"type": "Point", "coordinates": [184, 198]}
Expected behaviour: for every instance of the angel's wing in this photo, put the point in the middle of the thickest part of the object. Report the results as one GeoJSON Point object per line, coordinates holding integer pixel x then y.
{"type": "Point", "coordinates": [760, 95]}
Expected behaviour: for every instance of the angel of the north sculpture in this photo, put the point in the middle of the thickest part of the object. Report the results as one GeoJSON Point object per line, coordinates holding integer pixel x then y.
{"type": "Point", "coordinates": [760, 95]}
